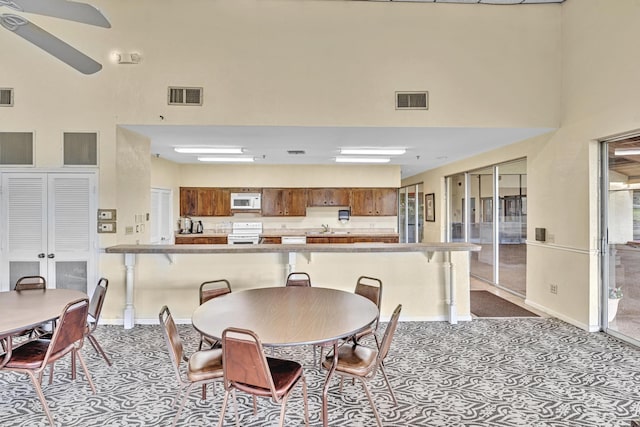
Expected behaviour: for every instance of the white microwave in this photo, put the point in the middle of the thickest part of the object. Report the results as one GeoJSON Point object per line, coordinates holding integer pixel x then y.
{"type": "Point", "coordinates": [245, 200]}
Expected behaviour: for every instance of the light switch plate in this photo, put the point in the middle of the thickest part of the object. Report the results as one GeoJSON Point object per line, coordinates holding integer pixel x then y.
{"type": "Point", "coordinates": [106, 215]}
{"type": "Point", "coordinates": [107, 227]}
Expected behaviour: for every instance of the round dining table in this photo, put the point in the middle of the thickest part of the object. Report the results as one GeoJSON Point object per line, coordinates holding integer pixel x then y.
{"type": "Point", "coordinates": [23, 310]}
{"type": "Point", "coordinates": [289, 316]}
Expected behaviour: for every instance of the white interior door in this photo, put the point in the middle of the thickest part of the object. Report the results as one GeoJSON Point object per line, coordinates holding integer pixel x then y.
{"type": "Point", "coordinates": [49, 229]}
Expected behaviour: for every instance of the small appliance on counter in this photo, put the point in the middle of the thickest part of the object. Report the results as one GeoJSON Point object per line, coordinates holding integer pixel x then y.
{"type": "Point", "coordinates": [184, 225]}
{"type": "Point", "coordinates": [196, 227]}
{"type": "Point", "coordinates": [343, 215]}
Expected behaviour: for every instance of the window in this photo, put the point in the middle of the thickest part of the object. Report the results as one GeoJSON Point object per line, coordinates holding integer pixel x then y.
{"type": "Point", "coordinates": [16, 148]}
{"type": "Point", "coordinates": [80, 148]}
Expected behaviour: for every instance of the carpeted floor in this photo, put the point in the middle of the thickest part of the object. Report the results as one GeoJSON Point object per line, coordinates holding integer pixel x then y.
{"type": "Point", "coordinates": [486, 304]}
{"type": "Point", "coordinates": [515, 372]}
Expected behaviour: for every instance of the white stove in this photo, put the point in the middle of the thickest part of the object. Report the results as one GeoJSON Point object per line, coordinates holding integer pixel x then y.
{"type": "Point", "coordinates": [245, 233]}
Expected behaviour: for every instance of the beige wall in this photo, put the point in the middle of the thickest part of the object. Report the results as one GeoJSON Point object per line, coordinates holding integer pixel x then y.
{"type": "Point", "coordinates": [286, 62]}
{"type": "Point", "coordinates": [599, 86]}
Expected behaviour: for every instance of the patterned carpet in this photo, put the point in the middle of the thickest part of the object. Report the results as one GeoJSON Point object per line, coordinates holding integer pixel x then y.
{"type": "Point", "coordinates": [515, 372]}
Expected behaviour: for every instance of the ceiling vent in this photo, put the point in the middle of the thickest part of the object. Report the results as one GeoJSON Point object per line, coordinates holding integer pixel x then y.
{"type": "Point", "coordinates": [184, 95]}
{"type": "Point", "coordinates": [6, 97]}
{"type": "Point", "coordinates": [412, 100]}
{"type": "Point", "coordinates": [295, 152]}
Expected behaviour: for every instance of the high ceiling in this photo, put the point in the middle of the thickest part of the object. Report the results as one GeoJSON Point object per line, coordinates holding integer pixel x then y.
{"type": "Point", "coordinates": [427, 148]}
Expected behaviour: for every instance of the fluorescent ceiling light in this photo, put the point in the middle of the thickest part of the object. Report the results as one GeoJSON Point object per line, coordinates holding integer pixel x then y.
{"type": "Point", "coordinates": [208, 150]}
{"type": "Point", "coordinates": [373, 151]}
{"type": "Point", "coordinates": [627, 151]}
{"type": "Point", "coordinates": [363, 159]}
{"type": "Point", "coordinates": [226, 159]}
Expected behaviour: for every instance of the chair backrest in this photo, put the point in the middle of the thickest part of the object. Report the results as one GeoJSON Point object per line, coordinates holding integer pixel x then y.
{"type": "Point", "coordinates": [385, 344]}
{"type": "Point", "coordinates": [298, 279]}
{"type": "Point", "coordinates": [370, 288]}
{"type": "Point", "coordinates": [97, 300]}
{"type": "Point", "coordinates": [213, 289]}
{"type": "Point", "coordinates": [172, 338]}
{"type": "Point", "coordinates": [243, 360]}
{"type": "Point", "coordinates": [30, 282]}
{"type": "Point", "coordinates": [70, 328]}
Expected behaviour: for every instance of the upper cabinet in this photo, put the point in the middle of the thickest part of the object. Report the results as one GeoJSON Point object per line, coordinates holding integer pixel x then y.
{"type": "Point", "coordinates": [374, 201]}
{"type": "Point", "coordinates": [213, 201]}
{"type": "Point", "coordinates": [284, 201]}
{"type": "Point", "coordinates": [205, 201]}
{"type": "Point", "coordinates": [328, 197]}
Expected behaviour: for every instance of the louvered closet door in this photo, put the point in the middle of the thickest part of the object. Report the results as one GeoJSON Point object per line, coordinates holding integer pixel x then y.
{"type": "Point", "coordinates": [49, 229]}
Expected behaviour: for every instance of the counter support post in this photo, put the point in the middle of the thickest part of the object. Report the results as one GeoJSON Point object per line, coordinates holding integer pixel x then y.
{"type": "Point", "coordinates": [450, 278]}
{"type": "Point", "coordinates": [129, 263]}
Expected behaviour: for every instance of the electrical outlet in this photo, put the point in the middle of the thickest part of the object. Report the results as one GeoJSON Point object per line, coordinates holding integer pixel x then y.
{"type": "Point", "coordinates": [553, 288]}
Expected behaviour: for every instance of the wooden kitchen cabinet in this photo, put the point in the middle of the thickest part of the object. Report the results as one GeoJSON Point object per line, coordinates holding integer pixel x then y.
{"type": "Point", "coordinates": [205, 201]}
{"type": "Point", "coordinates": [314, 239]}
{"type": "Point", "coordinates": [284, 202]}
{"type": "Point", "coordinates": [274, 240]}
{"type": "Point", "coordinates": [328, 196]}
{"type": "Point", "coordinates": [374, 202]}
{"type": "Point", "coordinates": [201, 240]}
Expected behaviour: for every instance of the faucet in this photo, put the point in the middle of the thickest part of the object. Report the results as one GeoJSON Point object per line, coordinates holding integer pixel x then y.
{"type": "Point", "coordinates": [325, 228]}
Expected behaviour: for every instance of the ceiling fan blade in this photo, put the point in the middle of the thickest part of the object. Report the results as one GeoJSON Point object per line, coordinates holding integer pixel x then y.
{"type": "Point", "coordinates": [69, 10]}
{"type": "Point", "coordinates": [49, 43]}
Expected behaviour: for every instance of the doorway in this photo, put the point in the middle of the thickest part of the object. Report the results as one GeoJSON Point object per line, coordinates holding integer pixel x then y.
{"type": "Point", "coordinates": [620, 207]}
{"type": "Point", "coordinates": [488, 206]}
{"type": "Point", "coordinates": [410, 213]}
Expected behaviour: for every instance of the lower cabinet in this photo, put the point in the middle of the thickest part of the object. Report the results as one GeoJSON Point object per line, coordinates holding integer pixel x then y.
{"type": "Point", "coordinates": [202, 240]}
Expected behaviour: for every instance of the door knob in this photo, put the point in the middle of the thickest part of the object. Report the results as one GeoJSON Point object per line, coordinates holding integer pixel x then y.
{"type": "Point", "coordinates": [41, 255]}
{"type": "Point", "coordinates": [51, 256]}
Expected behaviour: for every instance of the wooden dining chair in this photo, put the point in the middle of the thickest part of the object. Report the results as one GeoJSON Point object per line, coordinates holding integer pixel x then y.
{"type": "Point", "coordinates": [203, 367]}
{"type": "Point", "coordinates": [370, 288]}
{"type": "Point", "coordinates": [32, 357]}
{"type": "Point", "coordinates": [246, 368]}
{"type": "Point", "coordinates": [362, 362]}
{"type": "Point", "coordinates": [27, 283]}
{"type": "Point", "coordinates": [298, 279]}
{"type": "Point", "coordinates": [31, 283]}
{"type": "Point", "coordinates": [95, 308]}
{"type": "Point", "coordinates": [209, 290]}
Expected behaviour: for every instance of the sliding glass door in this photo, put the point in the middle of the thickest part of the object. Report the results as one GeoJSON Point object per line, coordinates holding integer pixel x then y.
{"type": "Point", "coordinates": [488, 207]}
{"type": "Point", "coordinates": [410, 213]}
{"type": "Point", "coordinates": [620, 300]}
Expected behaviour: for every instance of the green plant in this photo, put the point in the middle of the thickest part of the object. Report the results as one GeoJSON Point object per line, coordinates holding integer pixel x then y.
{"type": "Point", "coordinates": [615, 293]}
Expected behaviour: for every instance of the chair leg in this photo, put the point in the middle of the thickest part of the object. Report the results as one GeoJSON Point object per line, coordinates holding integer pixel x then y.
{"type": "Point", "coordinates": [283, 409]}
{"type": "Point", "coordinates": [224, 407]}
{"type": "Point", "coordinates": [182, 402]}
{"type": "Point", "coordinates": [255, 406]}
{"type": "Point", "coordinates": [96, 345]}
{"type": "Point", "coordinates": [51, 374]}
{"type": "Point", "coordinates": [204, 392]}
{"type": "Point", "coordinates": [73, 365]}
{"type": "Point", "coordinates": [306, 402]}
{"type": "Point", "coordinates": [36, 385]}
{"type": "Point", "coordinates": [373, 405]}
{"type": "Point", "coordinates": [386, 379]}
{"type": "Point", "coordinates": [86, 371]}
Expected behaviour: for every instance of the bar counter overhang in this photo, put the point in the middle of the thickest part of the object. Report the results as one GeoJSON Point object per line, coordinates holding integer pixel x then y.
{"type": "Point", "coordinates": [447, 264]}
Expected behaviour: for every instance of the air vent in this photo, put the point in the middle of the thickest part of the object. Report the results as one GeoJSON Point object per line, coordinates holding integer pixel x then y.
{"type": "Point", "coordinates": [295, 152]}
{"type": "Point", "coordinates": [6, 97]}
{"type": "Point", "coordinates": [412, 100]}
{"type": "Point", "coordinates": [185, 96]}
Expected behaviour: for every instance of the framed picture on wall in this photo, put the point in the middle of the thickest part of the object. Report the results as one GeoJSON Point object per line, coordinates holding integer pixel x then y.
{"type": "Point", "coordinates": [430, 207]}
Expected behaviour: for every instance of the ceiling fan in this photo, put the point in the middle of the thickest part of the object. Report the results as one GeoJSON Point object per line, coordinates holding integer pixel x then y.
{"type": "Point", "coordinates": [63, 9]}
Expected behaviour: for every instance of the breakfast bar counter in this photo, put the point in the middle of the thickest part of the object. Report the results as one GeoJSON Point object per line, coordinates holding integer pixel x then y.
{"type": "Point", "coordinates": [430, 275]}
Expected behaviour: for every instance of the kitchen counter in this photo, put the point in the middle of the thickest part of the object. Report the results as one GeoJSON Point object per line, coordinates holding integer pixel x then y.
{"type": "Point", "coordinates": [275, 248]}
